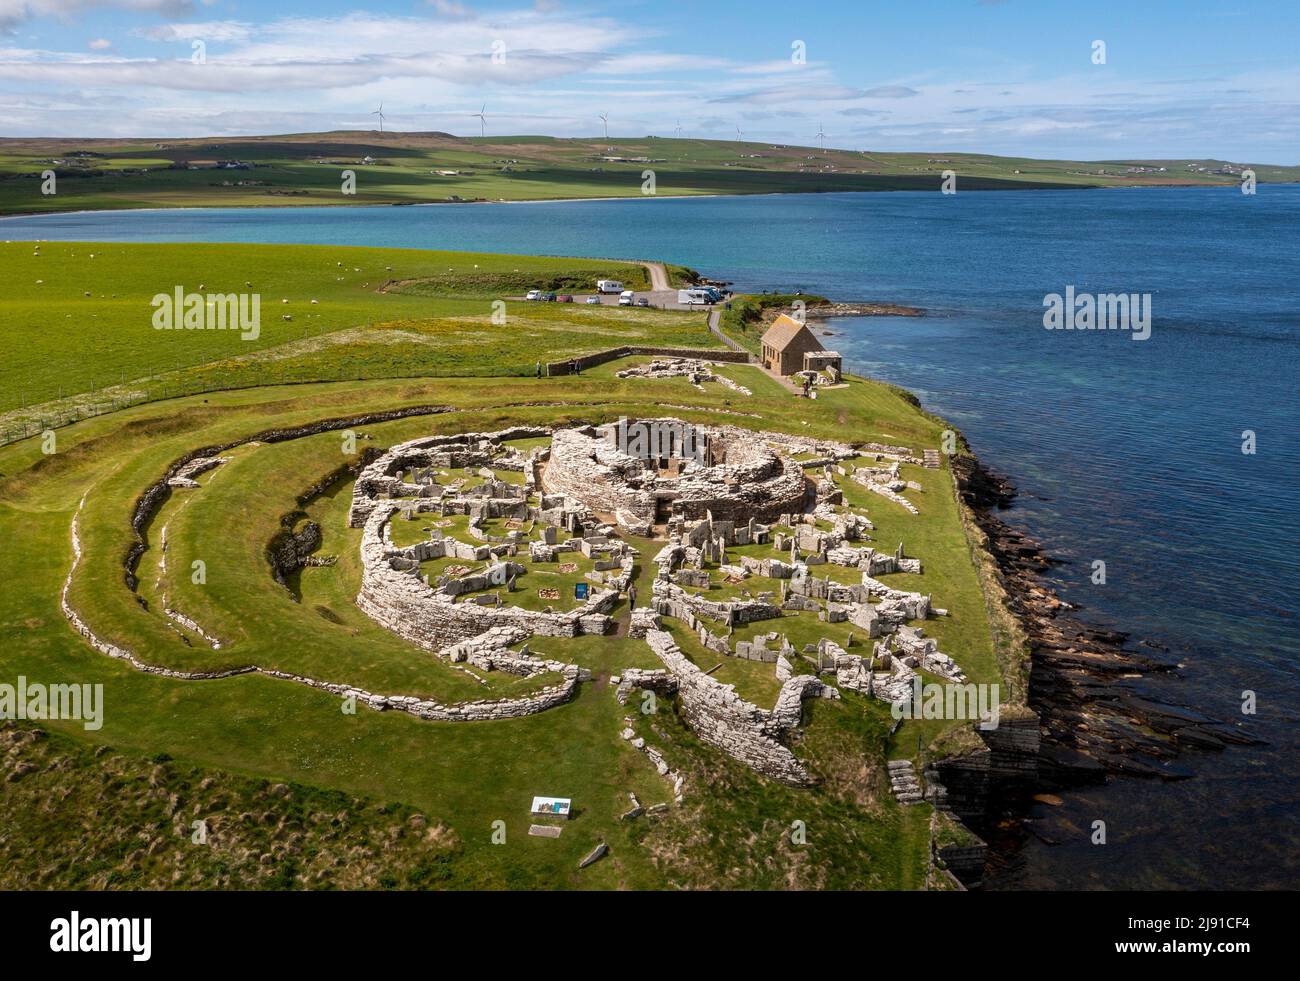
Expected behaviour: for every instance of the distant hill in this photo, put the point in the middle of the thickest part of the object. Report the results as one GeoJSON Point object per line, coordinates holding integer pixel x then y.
{"type": "Point", "coordinates": [409, 168]}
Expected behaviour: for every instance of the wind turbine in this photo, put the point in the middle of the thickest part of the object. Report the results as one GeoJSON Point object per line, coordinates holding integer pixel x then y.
{"type": "Point", "coordinates": [679, 129]}
{"type": "Point", "coordinates": [604, 119]}
{"type": "Point", "coordinates": [482, 118]}
{"type": "Point", "coordinates": [380, 113]}
{"type": "Point", "coordinates": [821, 135]}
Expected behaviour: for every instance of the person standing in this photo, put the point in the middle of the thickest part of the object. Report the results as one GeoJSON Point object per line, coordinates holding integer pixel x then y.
{"type": "Point", "coordinates": [631, 597]}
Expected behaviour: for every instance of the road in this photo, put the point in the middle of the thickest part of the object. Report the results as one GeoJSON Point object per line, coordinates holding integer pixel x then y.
{"type": "Point", "coordinates": [658, 277]}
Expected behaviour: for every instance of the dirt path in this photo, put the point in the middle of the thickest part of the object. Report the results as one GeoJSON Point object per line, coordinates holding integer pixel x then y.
{"type": "Point", "coordinates": [658, 276]}
{"type": "Point", "coordinates": [715, 321]}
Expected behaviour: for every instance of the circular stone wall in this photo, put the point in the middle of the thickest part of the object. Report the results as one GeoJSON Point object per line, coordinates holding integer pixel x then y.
{"type": "Point", "coordinates": [642, 475]}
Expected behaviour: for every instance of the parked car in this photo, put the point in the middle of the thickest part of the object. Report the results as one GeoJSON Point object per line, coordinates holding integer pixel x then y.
{"type": "Point", "coordinates": [643, 301]}
{"type": "Point", "coordinates": [626, 298]}
{"type": "Point", "coordinates": [548, 297]}
{"type": "Point", "coordinates": [564, 298]}
{"type": "Point", "coordinates": [593, 299]}
{"type": "Point", "coordinates": [534, 295]}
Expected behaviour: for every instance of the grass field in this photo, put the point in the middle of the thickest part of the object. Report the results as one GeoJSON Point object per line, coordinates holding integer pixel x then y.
{"type": "Point", "coordinates": [406, 168]}
{"type": "Point", "coordinates": [437, 317]}
{"type": "Point", "coordinates": [222, 748]}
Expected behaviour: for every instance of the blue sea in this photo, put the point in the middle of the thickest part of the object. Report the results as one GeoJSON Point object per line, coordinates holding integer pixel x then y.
{"type": "Point", "coordinates": [1125, 451]}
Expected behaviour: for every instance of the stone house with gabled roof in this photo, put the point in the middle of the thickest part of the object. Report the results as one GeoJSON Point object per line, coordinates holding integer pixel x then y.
{"type": "Point", "coordinates": [785, 343]}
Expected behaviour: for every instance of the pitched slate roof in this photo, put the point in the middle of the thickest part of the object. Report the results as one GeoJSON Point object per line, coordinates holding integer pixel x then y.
{"type": "Point", "coordinates": [785, 329]}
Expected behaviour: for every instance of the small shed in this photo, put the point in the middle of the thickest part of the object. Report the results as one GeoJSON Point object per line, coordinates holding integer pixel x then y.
{"type": "Point", "coordinates": [786, 343]}
{"type": "Point", "coordinates": [828, 362]}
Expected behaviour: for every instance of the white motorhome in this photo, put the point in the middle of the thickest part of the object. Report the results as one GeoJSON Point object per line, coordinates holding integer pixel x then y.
{"type": "Point", "coordinates": [694, 296]}
{"type": "Point", "coordinates": [608, 286]}
{"type": "Point", "coordinates": [626, 298]}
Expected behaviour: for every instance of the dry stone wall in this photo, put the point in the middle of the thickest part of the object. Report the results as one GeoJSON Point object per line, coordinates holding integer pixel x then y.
{"type": "Point", "coordinates": [393, 595]}
{"type": "Point", "coordinates": [739, 728]}
{"type": "Point", "coordinates": [154, 496]}
{"type": "Point", "coordinates": [481, 710]}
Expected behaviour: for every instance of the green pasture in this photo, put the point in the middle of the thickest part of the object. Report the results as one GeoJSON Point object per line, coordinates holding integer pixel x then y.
{"type": "Point", "coordinates": [396, 168]}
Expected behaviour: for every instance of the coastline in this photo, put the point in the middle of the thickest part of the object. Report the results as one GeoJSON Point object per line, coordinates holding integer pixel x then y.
{"type": "Point", "coordinates": [1084, 704]}
{"type": "Point", "coordinates": [1100, 706]}
{"type": "Point", "coordinates": [861, 308]}
{"type": "Point", "coordinates": [607, 197]}
{"type": "Point", "coordinates": [1083, 673]}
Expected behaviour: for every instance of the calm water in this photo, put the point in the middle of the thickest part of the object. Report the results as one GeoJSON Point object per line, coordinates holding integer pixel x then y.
{"type": "Point", "coordinates": [1125, 451]}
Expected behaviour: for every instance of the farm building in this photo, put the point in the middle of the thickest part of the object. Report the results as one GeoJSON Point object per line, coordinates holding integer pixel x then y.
{"type": "Point", "coordinates": [788, 345]}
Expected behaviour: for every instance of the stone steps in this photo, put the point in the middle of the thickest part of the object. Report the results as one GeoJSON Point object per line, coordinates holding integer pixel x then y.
{"type": "Point", "coordinates": [930, 459]}
{"type": "Point", "coordinates": [903, 782]}
{"type": "Point", "coordinates": [935, 792]}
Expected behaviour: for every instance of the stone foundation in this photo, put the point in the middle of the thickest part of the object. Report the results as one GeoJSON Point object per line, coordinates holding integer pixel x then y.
{"type": "Point", "coordinates": [739, 728]}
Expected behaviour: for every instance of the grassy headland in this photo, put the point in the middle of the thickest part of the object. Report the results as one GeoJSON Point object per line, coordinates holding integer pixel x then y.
{"type": "Point", "coordinates": [215, 750]}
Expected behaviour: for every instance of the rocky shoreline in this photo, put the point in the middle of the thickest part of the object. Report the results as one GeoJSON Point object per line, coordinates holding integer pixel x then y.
{"type": "Point", "coordinates": [826, 311]}
{"type": "Point", "coordinates": [1093, 691]}
{"type": "Point", "coordinates": [1098, 706]}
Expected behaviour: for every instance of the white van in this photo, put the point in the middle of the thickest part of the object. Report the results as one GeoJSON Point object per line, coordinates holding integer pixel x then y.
{"type": "Point", "coordinates": [608, 286]}
{"type": "Point", "coordinates": [694, 296]}
{"type": "Point", "coordinates": [626, 298]}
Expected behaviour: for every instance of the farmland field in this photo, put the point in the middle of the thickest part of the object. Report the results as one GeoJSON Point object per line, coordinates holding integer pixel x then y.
{"type": "Point", "coordinates": [326, 313]}
{"type": "Point", "coordinates": [409, 168]}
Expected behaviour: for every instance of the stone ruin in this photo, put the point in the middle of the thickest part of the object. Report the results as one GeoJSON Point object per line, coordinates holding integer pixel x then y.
{"type": "Point", "coordinates": [431, 614]}
{"type": "Point", "coordinates": [723, 719]}
{"type": "Point", "coordinates": [695, 371]}
{"type": "Point", "coordinates": [728, 489]}
{"type": "Point", "coordinates": [694, 472]}
{"type": "Point", "coordinates": [709, 489]}
{"type": "Point", "coordinates": [880, 612]}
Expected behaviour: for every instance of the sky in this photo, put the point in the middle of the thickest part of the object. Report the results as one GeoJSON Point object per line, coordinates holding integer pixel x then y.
{"type": "Point", "coordinates": [1172, 78]}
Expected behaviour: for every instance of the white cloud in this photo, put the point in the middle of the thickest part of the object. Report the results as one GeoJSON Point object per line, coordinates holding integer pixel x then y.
{"type": "Point", "coordinates": [213, 30]}
{"type": "Point", "coordinates": [790, 95]}
{"type": "Point", "coordinates": [890, 92]}
{"type": "Point", "coordinates": [100, 44]}
{"type": "Point", "coordinates": [450, 8]}
{"type": "Point", "coordinates": [434, 68]}
{"type": "Point", "coordinates": [645, 63]}
{"type": "Point", "coordinates": [775, 67]}
{"type": "Point", "coordinates": [16, 12]}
